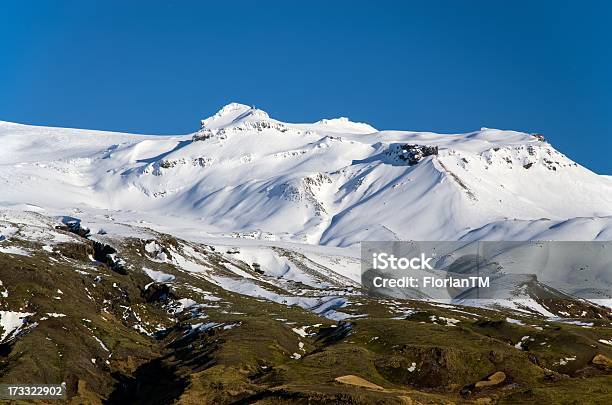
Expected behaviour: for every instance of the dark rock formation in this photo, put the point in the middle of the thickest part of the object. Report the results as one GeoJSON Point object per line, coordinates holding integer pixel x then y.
{"type": "Point", "coordinates": [414, 153]}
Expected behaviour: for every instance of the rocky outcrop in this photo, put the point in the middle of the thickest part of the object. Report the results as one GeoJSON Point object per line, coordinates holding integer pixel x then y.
{"type": "Point", "coordinates": [107, 254]}
{"type": "Point", "coordinates": [73, 225]}
{"type": "Point", "coordinates": [221, 133]}
{"type": "Point", "coordinates": [412, 153]}
{"type": "Point", "coordinates": [527, 156]}
{"type": "Point", "coordinates": [204, 134]}
{"type": "Point", "coordinates": [304, 189]}
{"type": "Point", "coordinates": [158, 292]}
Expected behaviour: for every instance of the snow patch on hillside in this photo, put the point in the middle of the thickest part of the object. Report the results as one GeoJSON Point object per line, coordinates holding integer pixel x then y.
{"type": "Point", "coordinates": [11, 323]}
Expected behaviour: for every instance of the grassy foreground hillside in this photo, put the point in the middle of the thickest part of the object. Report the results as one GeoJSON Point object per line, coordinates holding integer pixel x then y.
{"type": "Point", "coordinates": [93, 317]}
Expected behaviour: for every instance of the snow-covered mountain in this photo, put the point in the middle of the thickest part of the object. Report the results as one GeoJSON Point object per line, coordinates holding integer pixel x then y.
{"type": "Point", "coordinates": [223, 266]}
{"type": "Point", "coordinates": [250, 181]}
{"type": "Point", "coordinates": [332, 183]}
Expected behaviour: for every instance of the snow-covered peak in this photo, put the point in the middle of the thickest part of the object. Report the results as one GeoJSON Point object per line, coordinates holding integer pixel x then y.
{"type": "Point", "coordinates": [234, 114]}
{"type": "Point", "coordinates": [343, 124]}
{"type": "Point", "coordinates": [243, 117]}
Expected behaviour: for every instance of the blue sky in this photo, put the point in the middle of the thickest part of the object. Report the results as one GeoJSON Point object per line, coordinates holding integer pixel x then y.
{"type": "Point", "coordinates": [447, 66]}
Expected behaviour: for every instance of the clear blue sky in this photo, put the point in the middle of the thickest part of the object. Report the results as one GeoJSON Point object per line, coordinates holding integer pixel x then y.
{"type": "Point", "coordinates": [448, 66]}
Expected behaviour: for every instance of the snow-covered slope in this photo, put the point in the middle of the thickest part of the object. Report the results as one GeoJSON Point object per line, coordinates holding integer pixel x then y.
{"type": "Point", "coordinates": [333, 182]}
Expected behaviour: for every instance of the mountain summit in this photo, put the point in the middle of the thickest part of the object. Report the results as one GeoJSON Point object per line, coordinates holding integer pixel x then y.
{"type": "Point", "coordinates": [233, 114]}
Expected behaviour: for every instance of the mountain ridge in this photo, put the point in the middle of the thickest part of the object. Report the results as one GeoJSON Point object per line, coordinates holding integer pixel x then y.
{"type": "Point", "coordinates": [307, 183]}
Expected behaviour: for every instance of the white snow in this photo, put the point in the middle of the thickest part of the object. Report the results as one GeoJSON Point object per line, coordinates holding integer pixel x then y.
{"type": "Point", "coordinates": [565, 360]}
{"type": "Point", "coordinates": [301, 331]}
{"type": "Point", "coordinates": [573, 322]}
{"type": "Point", "coordinates": [158, 276]}
{"type": "Point", "coordinates": [202, 327]}
{"type": "Point", "coordinates": [11, 323]}
{"type": "Point", "coordinates": [102, 345]}
{"type": "Point", "coordinates": [14, 250]}
{"type": "Point", "coordinates": [515, 321]}
{"type": "Point", "coordinates": [519, 345]}
{"type": "Point", "coordinates": [182, 304]}
{"type": "Point", "coordinates": [4, 291]}
{"type": "Point", "coordinates": [55, 315]}
{"type": "Point", "coordinates": [448, 321]}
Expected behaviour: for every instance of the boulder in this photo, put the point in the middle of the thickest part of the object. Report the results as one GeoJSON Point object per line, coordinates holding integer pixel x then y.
{"type": "Point", "coordinates": [494, 379]}
{"type": "Point", "coordinates": [602, 360]}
